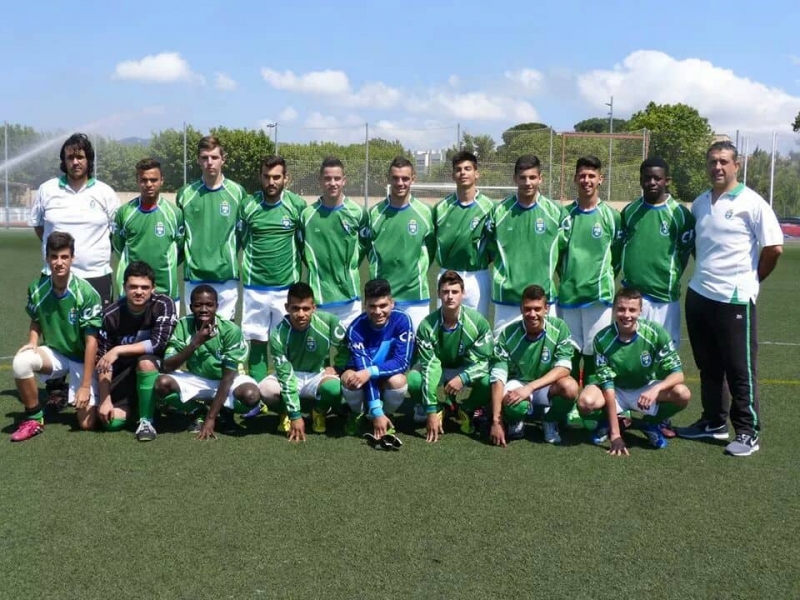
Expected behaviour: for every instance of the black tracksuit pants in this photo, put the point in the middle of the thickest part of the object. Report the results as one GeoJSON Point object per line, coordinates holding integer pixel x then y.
{"type": "Point", "coordinates": [724, 343]}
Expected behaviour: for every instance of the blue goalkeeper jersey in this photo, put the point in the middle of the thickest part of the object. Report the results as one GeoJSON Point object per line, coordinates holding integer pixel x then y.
{"type": "Point", "coordinates": [385, 352]}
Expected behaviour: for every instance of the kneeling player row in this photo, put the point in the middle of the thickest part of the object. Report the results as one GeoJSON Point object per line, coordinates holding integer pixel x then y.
{"type": "Point", "coordinates": [460, 363]}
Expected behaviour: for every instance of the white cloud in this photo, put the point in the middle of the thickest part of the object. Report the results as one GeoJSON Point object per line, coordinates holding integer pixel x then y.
{"type": "Point", "coordinates": [224, 82]}
{"type": "Point", "coordinates": [328, 82]}
{"type": "Point", "coordinates": [477, 106]}
{"type": "Point", "coordinates": [336, 86]}
{"type": "Point", "coordinates": [729, 101]}
{"type": "Point", "coordinates": [413, 134]}
{"type": "Point", "coordinates": [454, 81]}
{"type": "Point", "coordinates": [343, 130]}
{"type": "Point", "coordinates": [167, 67]}
{"type": "Point", "coordinates": [529, 80]}
{"type": "Point", "coordinates": [287, 115]}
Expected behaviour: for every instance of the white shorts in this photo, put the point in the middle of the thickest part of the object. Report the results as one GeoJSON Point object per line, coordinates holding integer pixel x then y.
{"type": "Point", "coordinates": [261, 311]}
{"type": "Point", "coordinates": [586, 322]}
{"type": "Point", "coordinates": [667, 314]}
{"type": "Point", "coordinates": [416, 312]}
{"type": "Point", "coordinates": [63, 367]}
{"type": "Point", "coordinates": [628, 399]}
{"type": "Point", "coordinates": [540, 397]}
{"type": "Point", "coordinates": [505, 314]}
{"type": "Point", "coordinates": [227, 297]}
{"type": "Point", "coordinates": [346, 312]}
{"type": "Point", "coordinates": [307, 383]}
{"type": "Point", "coordinates": [477, 289]}
{"type": "Point", "coordinates": [192, 386]}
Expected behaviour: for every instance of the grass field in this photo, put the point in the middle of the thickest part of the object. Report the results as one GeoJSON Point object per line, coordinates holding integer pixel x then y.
{"type": "Point", "coordinates": [97, 515]}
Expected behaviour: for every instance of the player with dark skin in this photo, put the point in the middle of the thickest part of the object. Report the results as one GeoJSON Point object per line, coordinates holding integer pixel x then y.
{"type": "Point", "coordinates": [204, 309]}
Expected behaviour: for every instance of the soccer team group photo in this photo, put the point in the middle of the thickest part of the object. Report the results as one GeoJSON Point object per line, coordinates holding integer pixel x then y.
{"type": "Point", "coordinates": [541, 312]}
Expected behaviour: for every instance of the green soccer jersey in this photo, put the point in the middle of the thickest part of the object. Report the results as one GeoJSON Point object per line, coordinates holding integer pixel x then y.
{"type": "Point", "coordinates": [154, 236]}
{"type": "Point", "coordinates": [591, 260]}
{"type": "Point", "coordinates": [401, 245]}
{"type": "Point", "coordinates": [516, 356]}
{"type": "Point", "coordinates": [226, 350]}
{"type": "Point", "coordinates": [270, 240]}
{"type": "Point", "coordinates": [657, 242]}
{"type": "Point", "coordinates": [525, 244]}
{"type": "Point", "coordinates": [209, 218]}
{"type": "Point", "coordinates": [65, 320]}
{"type": "Point", "coordinates": [467, 347]}
{"type": "Point", "coordinates": [460, 233]}
{"type": "Point", "coordinates": [334, 243]}
{"type": "Point", "coordinates": [306, 351]}
{"type": "Point", "coordinates": [649, 356]}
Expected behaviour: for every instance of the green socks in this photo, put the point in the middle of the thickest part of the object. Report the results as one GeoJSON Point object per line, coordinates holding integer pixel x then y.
{"type": "Point", "coordinates": [145, 380]}
{"type": "Point", "coordinates": [257, 360]}
{"type": "Point", "coordinates": [329, 394]}
{"type": "Point", "coordinates": [560, 407]}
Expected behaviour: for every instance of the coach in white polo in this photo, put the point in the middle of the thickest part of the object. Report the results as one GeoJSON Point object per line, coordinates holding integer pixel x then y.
{"type": "Point", "coordinates": [82, 206]}
{"type": "Point", "coordinates": [738, 242]}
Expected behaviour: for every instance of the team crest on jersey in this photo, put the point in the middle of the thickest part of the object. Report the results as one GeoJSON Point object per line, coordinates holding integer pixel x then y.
{"type": "Point", "coordinates": [664, 228]}
{"type": "Point", "coordinates": [286, 222]}
{"type": "Point", "coordinates": [413, 227]}
{"type": "Point", "coordinates": [311, 344]}
{"type": "Point", "coordinates": [92, 203]}
{"type": "Point", "coordinates": [597, 230]}
{"type": "Point", "coordinates": [729, 213]}
{"type": "Point", "coordinates": [545, 355]}
{"type": "Point", "coordinates": [72, 317]}
{"type": "Point", "coordinates": [225, 208]}
{"type": "Point", "coordinates": [474, 223]}
{"type": "Point", "coordinates": [539, 226]}
{"type": "Point", "coordinates": [646, 359]}
{"type": "Point", "coordinates": [160, 229]}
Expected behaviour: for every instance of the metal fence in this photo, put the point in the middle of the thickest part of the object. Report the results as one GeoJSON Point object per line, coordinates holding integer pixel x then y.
{"type": "Point", "coordinates": [770, 163]}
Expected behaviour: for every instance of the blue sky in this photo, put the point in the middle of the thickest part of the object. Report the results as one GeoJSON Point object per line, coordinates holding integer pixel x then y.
{"type": "Point", "coordinates": [411, 69]}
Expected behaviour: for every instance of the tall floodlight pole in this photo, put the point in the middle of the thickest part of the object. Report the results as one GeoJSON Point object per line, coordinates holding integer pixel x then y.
{"type": "Point", "coordinates": [184, 153]}
{"type": "Point", "coordinates": [276, 137]}
{"type": "Point", "coordinates": [744, 152]}
{"type": "Point", "coordinates": [772, 166]}
{"type": "Point", "coordinates": [610, 105]}
{"type": "Point", "coordinates": [5, 166]}
{"type": "Point", "coordinates": [366, 165]}
{"type": "Point", "coordinates": [458, 137]}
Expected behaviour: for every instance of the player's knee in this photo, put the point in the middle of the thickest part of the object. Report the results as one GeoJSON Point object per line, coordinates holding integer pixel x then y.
{"type": "Point", "coordinates": [566, 387]}
{"type": "Point", "coordinates": [248, 393]}
{"type": "Point", "coordinates": [395, 382]}
{"type": "Point", "coordinates": [270, 390]}
{"type": "Point", "coordinates": [147, 363]}
{"type": "Point", "coordinates": [165, 385]}
{"type": "Point", "coordinates": [591, 398]}
{"type": "Point", "coordinates": [681, 395]}
{"type": "Point", "coordinates": [26, 364]}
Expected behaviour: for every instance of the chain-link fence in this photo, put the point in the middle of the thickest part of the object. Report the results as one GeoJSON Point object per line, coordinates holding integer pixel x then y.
{"type": "Point", "coordinates": [770, 163]}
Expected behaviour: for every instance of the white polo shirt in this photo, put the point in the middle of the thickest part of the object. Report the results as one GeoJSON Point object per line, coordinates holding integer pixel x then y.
{"type": "Point", "coordinates": [728, 241]}
{"type": "Point", "coordinates": [87, 215]}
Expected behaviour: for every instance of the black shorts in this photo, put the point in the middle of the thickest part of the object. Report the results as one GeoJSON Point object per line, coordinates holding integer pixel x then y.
{"type": "Point", "coordinates": [103, 286]}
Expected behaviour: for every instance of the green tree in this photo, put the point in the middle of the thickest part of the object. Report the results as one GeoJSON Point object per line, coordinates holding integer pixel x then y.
{"type": "Point", "coordinates": [680, 135]}
{"type": "Point", "coordinates": [600, 125]}
{"type": "Point", "coordinates": [796, 124]}
{"type": "Point", "coordinates": [167, 148]}
{"type": "Point", "coordinates": [33, 155]}
{"type": "Point", "coordinates": [244, 149]}
{"type": "Point", "coordinates": [116, 163]}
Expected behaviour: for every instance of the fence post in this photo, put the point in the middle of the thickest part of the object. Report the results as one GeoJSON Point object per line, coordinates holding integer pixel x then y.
{"type": "Point", "coordinates": [184, 153]}
{"type": "Point", "coordinates": [772, 166]}
{"type": "Point", "coordinates": [563, 162]}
